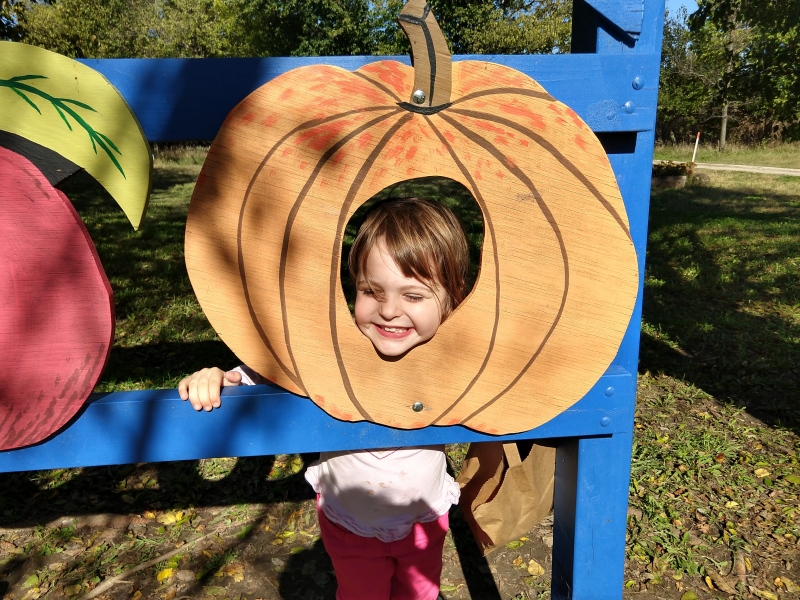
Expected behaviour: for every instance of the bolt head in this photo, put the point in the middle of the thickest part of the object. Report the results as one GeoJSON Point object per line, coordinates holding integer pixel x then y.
{"type": "Point", "coordinates": [417, 406]}
{"type": "Point", "coordinates": [629, 107]}
{"type": "Point", "coordinates": [418, 97]}
{"type": "Point", "coordinates": [605, 421]}
{"type": "Point", "coordinates": [637, 83]}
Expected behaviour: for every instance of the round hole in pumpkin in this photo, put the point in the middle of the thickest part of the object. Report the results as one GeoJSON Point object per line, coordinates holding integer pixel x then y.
{"type": "Point", "coordinates": [453, 194]}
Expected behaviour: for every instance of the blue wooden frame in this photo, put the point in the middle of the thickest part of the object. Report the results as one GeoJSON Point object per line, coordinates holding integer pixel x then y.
{"type": "Point", "coordinates": [611, 80]}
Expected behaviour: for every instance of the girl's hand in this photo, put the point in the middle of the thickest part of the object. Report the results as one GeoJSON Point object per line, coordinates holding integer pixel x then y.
{"type": "Point", "coordinates": [202, 388]}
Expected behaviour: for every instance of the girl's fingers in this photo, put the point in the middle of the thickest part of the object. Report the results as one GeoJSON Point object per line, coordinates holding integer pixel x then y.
{"type": "Point", "coordinates": [232, 378]}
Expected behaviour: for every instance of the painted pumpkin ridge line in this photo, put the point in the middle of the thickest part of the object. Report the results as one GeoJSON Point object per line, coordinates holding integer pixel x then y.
{"type": "Point", "coordinates": [287, 232]}
{"type": "Point", "coordinates": [261, 333]}
{"type": "Point", "coordinates": [490, 228]}
{"type": "Point", "coordinates": [380, 86]}
{"type": "Point", "coordinates": [337, 245]}
{"type": "Point", "coordinates": [521, 176]}
{"type": "Point", "coordinates": [498, 91]}
{"type": "Point", "coordinates": [558, 155]}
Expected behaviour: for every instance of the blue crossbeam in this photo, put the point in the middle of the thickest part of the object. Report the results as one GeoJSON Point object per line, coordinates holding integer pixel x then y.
{"type": "Point", "coordinates": [186, 100]}
{"type": "Point", "coordinates": [155, 425]}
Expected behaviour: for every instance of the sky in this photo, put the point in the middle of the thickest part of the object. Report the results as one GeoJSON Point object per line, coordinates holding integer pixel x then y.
{"type": "Point", "coordinates": [674, 5]}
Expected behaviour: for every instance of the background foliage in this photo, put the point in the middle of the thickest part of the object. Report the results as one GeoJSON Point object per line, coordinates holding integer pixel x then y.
{"type": "Point", "coordinates": [730, 70]}
{"type": "Point", "coordinates": [205, 28]}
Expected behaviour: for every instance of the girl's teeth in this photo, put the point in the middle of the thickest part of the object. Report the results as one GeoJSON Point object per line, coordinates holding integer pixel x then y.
{"type": "Point", "coordinates": [395, 329]}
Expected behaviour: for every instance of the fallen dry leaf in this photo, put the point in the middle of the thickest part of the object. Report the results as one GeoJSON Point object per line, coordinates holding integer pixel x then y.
{"type": "Point", "coordinates": [74, 590]}
{"type": "Point", "coordinates": [164, 574]}
{"type": "Point", "coordinates": [235, 570]}
{"type": "Point", "coordinates": [790, 585]}
{"type": "Point", "coordinates": [535, 569]}
{"type": "Point", "coordinates": [761, 473]}
{"type": "Point", "coordinates": [764, 594]}
{"type": "Point", "coordinates": [170, 518]}
{"type": "Point", "coordinates": [720, 582]}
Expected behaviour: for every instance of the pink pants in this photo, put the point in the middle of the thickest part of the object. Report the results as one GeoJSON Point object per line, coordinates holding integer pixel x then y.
{"type": "Point", "coordinates": [369, 569]}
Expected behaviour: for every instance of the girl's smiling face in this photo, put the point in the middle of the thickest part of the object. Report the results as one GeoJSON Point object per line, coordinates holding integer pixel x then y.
{"type": "Point", "coordinates": [395, 312]}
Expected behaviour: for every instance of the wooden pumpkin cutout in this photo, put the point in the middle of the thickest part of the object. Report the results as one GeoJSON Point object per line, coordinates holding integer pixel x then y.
{"type": "Point", "coordinates": [296, 158]}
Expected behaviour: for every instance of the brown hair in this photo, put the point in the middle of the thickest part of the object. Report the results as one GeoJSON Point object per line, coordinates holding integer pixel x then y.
{"type": "Point", "coordinates": [423, 237]}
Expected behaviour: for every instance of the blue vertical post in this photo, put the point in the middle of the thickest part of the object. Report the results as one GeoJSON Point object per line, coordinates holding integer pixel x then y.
{"type": "Point", "coordinates": [592, 473]}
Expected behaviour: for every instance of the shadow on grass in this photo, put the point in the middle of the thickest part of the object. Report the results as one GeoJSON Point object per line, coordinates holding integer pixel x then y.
{"type": "Point", "coordinates": [722, 297]}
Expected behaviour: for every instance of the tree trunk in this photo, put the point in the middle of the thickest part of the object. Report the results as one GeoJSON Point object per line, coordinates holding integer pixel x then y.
{"type": "Point", "coordinates": [723, 130]}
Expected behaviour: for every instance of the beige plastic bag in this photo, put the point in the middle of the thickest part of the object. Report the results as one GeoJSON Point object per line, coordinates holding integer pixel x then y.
{"type": "Point", "coordinates": [502, 496]}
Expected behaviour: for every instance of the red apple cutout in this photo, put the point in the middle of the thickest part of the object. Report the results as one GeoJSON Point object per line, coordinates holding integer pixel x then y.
{"type": "Point", "coordinates": [56, 309]}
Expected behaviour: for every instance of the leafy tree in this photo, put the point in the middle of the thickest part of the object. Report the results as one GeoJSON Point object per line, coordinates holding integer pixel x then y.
{"type": "Point", "coordinates": [9, 15]}
{"type": "Point", "coordinates": [683, 95]}
{"type": "Point", "coordinates": [482, 27]}
{"type": "Point", "coordinates": [297, 27]}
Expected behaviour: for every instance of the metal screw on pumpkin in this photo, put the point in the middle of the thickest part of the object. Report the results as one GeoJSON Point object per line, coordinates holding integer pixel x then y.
{"type": "Point", "coordinates": [418, 97]}
{"type": "Point", "coordinates": [417, 406]}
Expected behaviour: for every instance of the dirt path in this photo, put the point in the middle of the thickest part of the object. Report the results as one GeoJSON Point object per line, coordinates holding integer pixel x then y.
{"type": "Point", "coordinates": [749, 169]}
{"type": "Point", "coordinates": [745, 168]}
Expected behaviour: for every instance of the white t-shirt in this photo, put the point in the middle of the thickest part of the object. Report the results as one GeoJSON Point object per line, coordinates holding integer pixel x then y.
{"type": "Point", "coordinates": [379, 493]}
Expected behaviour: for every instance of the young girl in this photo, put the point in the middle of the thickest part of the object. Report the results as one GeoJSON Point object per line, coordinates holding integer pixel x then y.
{"type": "Point", "coordinates": [383, 514]}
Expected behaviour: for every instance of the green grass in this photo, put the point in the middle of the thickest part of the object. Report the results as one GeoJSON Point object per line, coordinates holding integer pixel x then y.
{"type": "Point", "coordinates": [715, 475]}
{"type": "Point", "coordinates": [779, 155]}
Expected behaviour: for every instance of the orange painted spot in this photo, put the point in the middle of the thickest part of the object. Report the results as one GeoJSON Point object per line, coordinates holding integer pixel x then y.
{"type": "Point", "coordinates": [580, 142]}
{"type": "Point", "coordinates": [286, 94]}
{"type": "Point", "coordinates": [501, 141]}
{"type": "Point", "coordinates": [406, 134]}
{"type": "Point", "coordinates": [394, 152]}
{"type": "Point", "coordinates": [477, 175]}
{"type": "Point", "coordinates": [555, 108]}
{"type": "Point", "coordinates": [453, 422]}
{"type": "Point", "coordinates": [303, 165]}
{"type": "Point", "coordinates": [411, 152]}
{"type": "Point", "coordinates": [287, 151]}
{"type": "Point", "coordinates": [449, 137]}
{"type": "Point", "coordinates": [364, 139]}
{"type": "Point", "coordinates": [524, 143]}
{"type": "Point", "coordinates": [534, 119]}
{"type": "Point", "coordinates": [561, 121]}
{"type": "Point", "coordinates": [424, 131]}
{"type": "Point", "coordinates": [390, 73]}
{"type": "Point", "coordinates": [319, 399]}
{"type": "Point", "coordinates": [510, 162]}
{"type": "Point", "coordinates": [249, 117]}
{"type": "Point", "coordinates": [269, 121]}
{"type": "Point", "coordinates": [575, 118]}
{"type": "Point", "coordinates": [491, 127]}
{"type": "Point", "coordinates": [320, 137]}
{"type": "Point", "coordinates": [500, 174]}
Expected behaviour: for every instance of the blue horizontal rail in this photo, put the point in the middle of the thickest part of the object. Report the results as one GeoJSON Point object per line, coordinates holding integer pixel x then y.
{"type": "Point", "coordinates": [155, 425]}
{"type": "Point", "coordinates": [188, 99]}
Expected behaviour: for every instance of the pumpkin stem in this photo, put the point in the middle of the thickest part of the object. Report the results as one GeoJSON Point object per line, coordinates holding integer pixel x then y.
{"type": "Point", "coordinates": [429, 54]}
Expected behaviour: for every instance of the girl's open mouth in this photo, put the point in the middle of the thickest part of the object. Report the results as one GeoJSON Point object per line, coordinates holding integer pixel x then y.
{"type": "Point", "coordinates": [393, 332]}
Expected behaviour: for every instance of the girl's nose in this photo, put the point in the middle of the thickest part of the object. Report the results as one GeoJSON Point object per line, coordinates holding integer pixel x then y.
{"type": "Point", "coordinates": [389, 308]}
